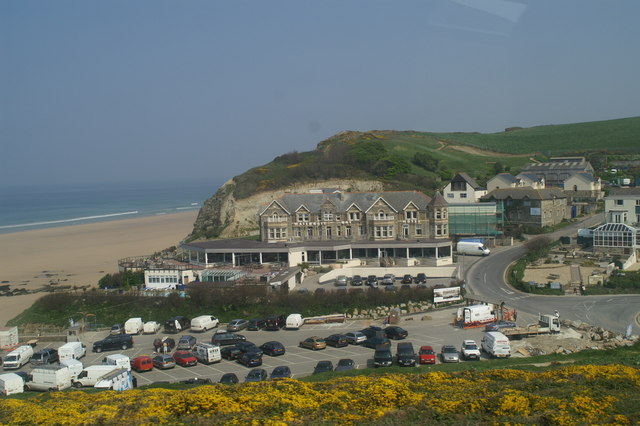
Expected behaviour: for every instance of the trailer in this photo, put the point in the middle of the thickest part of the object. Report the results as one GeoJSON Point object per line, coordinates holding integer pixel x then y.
{"type": "Point", "coordinates": [547, 324]}
{"type": "Point", "coordinates": [476, 316]}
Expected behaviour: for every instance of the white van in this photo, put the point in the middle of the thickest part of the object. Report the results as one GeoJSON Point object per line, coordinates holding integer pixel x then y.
{"type": "Point", "coordinates": [18, 357]}
{"type": "Point", "coordinates": [294, 321]}
{"type": "Point", "coordinates": [204, 323]}
{"type": "Point", "coordinates": [49, 378]}
{"type": "Point", "coordinates": [472, 248]}
{"type": "Point", "coordinates": [11, 383]}
{"type": "Point", "coordinates": [72, 350]}
{"type": "Point", "coordinates": [75, 367]}
{"type": "Point", "coordinates": [92, 375]}
{"type": "Point", "coordinates": [117, 360]}
{"type": "Point", "coordinates": [207, 353]}
{"type": "Point", "coordinates": [117, 380]}
{"type": "Point", "coordinates": [496, 344]}
{"type": "Point", "coordinates": [151, 327]}
{"type": "Point", "coordinates": [133, 326]}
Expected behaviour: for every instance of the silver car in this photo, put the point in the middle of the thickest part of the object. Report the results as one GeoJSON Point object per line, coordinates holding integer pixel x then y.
{"type": "Point", "coordinates": [341, 281]}
{"type": "Point", "coordinates": [237, 325]}
{"type": "Point", "coordinates": [355, 337]}
{"type": "Point", "coordinates": [449, 353]}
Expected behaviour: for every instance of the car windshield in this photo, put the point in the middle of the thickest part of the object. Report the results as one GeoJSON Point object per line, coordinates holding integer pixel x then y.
{"type": "Point", "coordinates": [426, 352]}
{"type": "Point", "coordinates": [449, 349]}
{"type": "Point", "coordinates": [471, 346]}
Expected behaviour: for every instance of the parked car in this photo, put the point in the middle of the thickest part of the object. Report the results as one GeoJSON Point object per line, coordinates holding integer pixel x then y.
{"type": "Point", "coordinates": [421, 278]}
{"type": "Point", "coordinates": [356, 280]}
{"type": "Point", "coordinates": [44, 356]}
{"type": "Point", "coordinates": [341, 281]}
{"type": "Point", "coordinates": [396, 333]}
{"type": "Point", "coordinates": [337, 340]}
{"type": "Point", "coordinates": [374, 342]}
{"type": "Point", "coordinates": [405, 355]}
{"type": "Point", "coordinates": [229, 379]}
{"type": "Point", "coordinates": [113, 342]}
{"type": "Point", "coordinates": [372, 281]}
{"type": "Point", "coordinates": [449, 353]}
{"type": "Point", "coordinates": [164, 344]}
{"type": "Point", "coordinates": [498, 325]}
{"type": "Point", "coordinates": [163, 361]}
{"type": "Point", "coordinates": [470, 350]}
{"type": "Point", "coordinates": [237, 324]}
{"type": "Point", "coordinates": [313, 343]}
{"type": "Point", "coordinates": [275, 322]}
{"type": "Point", "coordinates": [176, 324]}
{"type": "Point", "coordinates": [251, 359]}
{"type": "Point", "coordinates": [382, 357]}
{"type": "Point", "coordinates": [345, 364]}
{"type": "Point", "coordinates": [426, 355]}
{"type": "Point", "coordinates": [355, 337]}
{"type": "Point", "coordinates": [230, 352]}
{"type": "Point", "coordinates": [185, 358]}
{"type": "Point", "coordinates": [272, 348]}
{"type": "Point", "coordinates": [186, 343]}
{"type": "Point", "coordinates": [117, 329]}
{"type": "Point", "coordinates": [256, 324]}
{"type": "Point", "coordinates": [323, 367]}
{"type": "Point", "coordinates": [224, 339]}
{"type": "Point", "coordinates": [246, 347]}
{"type": "Point", "coordinates": [256, 375]}
{"type": "Point", "coordinates": [281, 372]}
{"type": "Point", "coordinates": [372, 331]}
{"type": "Point", "coordinates": [142, 363]}
{"type": "Point", "coordinates": [388, 279]}
{"type": "Point", "coordinates": [407, 279]}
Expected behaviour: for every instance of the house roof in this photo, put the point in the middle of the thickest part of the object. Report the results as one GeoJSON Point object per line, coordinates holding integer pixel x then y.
{"type": "Point", "coordinates": [577, 164]}
{"type": "Point", "coordinates": [630, 192]}
{"type": "Point", "coordinates": [584, 176]}
{"type": "Point", "coordinates": [530, 176]}
{"type": "Point", "coordinates": [398, 200]}
{"type": "Point", "coordinates": [524, 192]}
{"type": "Point", "coordinates": [506, 177]}
{"type": "Point", "coordinates": [462, 176]}
{"type": "Point", "coordinates": [438, 201]}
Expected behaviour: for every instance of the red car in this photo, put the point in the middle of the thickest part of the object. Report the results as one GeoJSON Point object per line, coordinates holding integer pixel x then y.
{"type": "Point", "coordinates": [142, 363]}
{"type": "Point", "coordinates": [185, 358]}
{"type": "Point", "coordinates": [427, 355]}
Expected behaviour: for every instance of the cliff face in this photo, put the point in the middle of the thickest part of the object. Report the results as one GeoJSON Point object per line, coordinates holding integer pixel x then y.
{"type": "Point", "coordinates": [223, 216]}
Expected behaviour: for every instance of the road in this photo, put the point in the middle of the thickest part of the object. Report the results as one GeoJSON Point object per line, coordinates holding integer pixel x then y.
{"type": "Point", "coordinates": [485, 279]}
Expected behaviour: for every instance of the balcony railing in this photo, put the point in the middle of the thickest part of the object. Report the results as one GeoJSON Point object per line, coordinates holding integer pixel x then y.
{"type": "Point", "coordinates": [277, 219]}
{"type": "Point", "coordinates": [377, 218]}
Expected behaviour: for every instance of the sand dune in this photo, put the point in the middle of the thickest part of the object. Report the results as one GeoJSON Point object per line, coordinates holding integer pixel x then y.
{"type": "Point", "coordinates": [81, 254]}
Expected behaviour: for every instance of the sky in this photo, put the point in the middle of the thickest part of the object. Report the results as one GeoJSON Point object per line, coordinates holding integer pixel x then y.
{"type": "Point", "coordinates": [141, 90]}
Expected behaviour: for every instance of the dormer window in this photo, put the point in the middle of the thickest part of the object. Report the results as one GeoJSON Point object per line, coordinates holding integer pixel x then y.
{"type": "Point", "coordinates": [327, 216]}
{"type": "Point", "coordinates": [411, 214]}
{"type": "Point", "coordinates": [303, 217]}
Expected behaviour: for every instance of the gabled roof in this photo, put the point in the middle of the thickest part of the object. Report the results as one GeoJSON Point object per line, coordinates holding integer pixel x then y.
{"type": "Point", "coordinates": [363, 200]}
{"type": "Point", "coordinates": [376, 202]}
{"type": "Point", "coordinates": [584, 176]}
{"type": "Point", "coordinates": [622, 192]}
{"type": "Point", "coordinates": [506, 177]}
{"type": "Point", "coordinates": [279, 204]}
{"type": "Point", "coordinates": [525, 192]}
{"type": "Point", "coordinates": [530, 176]}
{"type": "Point", "coordinates": [462, 176]}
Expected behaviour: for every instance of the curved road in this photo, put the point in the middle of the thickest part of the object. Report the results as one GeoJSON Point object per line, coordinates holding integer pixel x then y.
{"type": "Point", "coordinates": [485, 280]}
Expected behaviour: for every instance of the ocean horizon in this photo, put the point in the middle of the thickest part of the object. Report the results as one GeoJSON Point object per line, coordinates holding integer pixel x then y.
{"type": "Point", "coordinates": [24, 208]}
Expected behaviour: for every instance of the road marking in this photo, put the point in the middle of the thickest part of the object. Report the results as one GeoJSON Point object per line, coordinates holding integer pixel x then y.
{"type": "Point", "coordinates": [609, 300]}
{"type": "Point", "coordinates": [507, 291]}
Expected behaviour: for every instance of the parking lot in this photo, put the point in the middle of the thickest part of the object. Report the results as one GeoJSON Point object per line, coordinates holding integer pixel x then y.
{"type": "Point", "coordinates": [435, 332]}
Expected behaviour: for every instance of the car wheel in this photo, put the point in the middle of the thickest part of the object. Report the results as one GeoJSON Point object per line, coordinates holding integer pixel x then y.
{"type": "Point", "coordinates": [98, 349]}
{"type": "Point", "coordinates": [124, 346]}
{"type": "Point", "coordinates": [77, 385]}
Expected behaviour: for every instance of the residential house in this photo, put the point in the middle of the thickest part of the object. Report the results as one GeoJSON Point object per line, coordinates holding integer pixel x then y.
{"type": "Point", "coordinates": [530, 207]}
{"type": "Point", "coordinates": [502, 180]}
{"type": "Point", "coordinates": [531, 180]}
{"type": "Point", "coordinates": [463, 189]}
{"type": "Point", "coordinates": [622, 205]}
{"type": "Point", "coordinates": [583, 187]}
{"type": "Point", "coordinates": [558, 169]}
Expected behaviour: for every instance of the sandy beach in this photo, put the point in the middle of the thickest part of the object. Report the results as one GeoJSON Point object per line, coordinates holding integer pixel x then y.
{"type": "Point", "coordinates": [81, 254]}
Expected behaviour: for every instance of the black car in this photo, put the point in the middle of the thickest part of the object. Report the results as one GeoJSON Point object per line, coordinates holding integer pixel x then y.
{"type": "Point", "coordinates": [282, 372]}
{"type": "Point", "coordinates": [337, 340]}
{"type": "Point", "coordinates": [113, 342]}
{"type": "Point", "coordinates": [421, 278]}
{"type": "Point", "coordinates": [382, 357]}
{"type": "Point", "coordinates": [251, 359]}
{"type": "Point", "coordinates": [186, 343]}
{"type": "Point", "coordinates": [256, 324]}
{"type": "Point", "coordinates": [407, 279]}
{"type": "Point", "coordinates": [395, 332]}
{"type": "Point", "coordinates": [256, 375]}
{"type": "Point", "coordinates": [176, 324]}
{"type": "Point", "coordinates": [372, 331]}
{"type": "Point", "coordinates": [230, 352]}
{"type": "Point", "coordinates": [345, 364]}
{"type": "Point", "coordinates": [224, 339]}
{"type": "Point", "coordinates": [165, 344]}
{"type": "Point", "coordinates": [272, 348]}
{"type": "Point", "coordinates": [496, 326]}
{"type": "Point", "coordinates": [357, 280]}
{"type": "Point", "coordinates": [374, 342]}
{"type": "Point", "coordinates": [406, 355]}
{"type": "Point", "coordinates": [229, 379]}
{"type": "Point", "coordinates": [45, 356]}
{"type": "Point", "coordinates": [372, 281]}
{"type": "Point", "coordinates": [323, 367]}
{"type": "Point", "coordinates": [246, 347]}
{"type": "Point", "coordinates": [275, 322]}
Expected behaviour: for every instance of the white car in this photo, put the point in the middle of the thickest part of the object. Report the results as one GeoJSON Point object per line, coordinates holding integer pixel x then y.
{"type": "Point", "coordinates": [470, 350]}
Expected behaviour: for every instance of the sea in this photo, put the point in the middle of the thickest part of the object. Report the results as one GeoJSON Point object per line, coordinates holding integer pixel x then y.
{"type": "Point", "coordinates": [25, 208]}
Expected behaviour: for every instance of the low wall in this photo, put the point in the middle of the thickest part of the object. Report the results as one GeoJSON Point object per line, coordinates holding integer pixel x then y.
{"type": "Point", "coordinates": [632, 260]}
{"type": "Point", "coordinates": [398, 271]}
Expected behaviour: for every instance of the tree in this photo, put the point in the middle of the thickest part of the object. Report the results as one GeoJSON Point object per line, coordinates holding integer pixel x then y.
{"type": "Point", "coordinates": [426, 161]}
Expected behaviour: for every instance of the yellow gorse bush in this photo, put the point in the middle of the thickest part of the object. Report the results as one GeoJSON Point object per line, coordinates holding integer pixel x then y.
{"type": "Point", "coordinates": [567, 396]}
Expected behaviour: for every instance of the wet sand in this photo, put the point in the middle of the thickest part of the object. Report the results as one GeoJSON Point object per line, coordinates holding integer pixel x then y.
{"type": "Point", "coordinates": [80, 255]}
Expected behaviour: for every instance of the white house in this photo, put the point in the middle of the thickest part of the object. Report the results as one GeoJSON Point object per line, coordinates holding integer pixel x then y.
{"type": "Point", "coordinates": [622, 205]}
{"type": "Point", "coordinates": [463, 189]}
